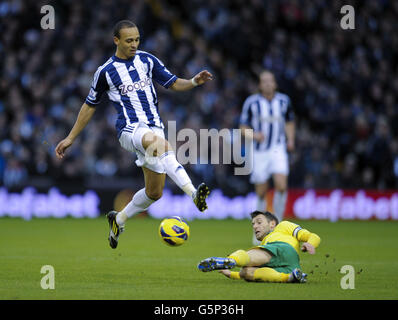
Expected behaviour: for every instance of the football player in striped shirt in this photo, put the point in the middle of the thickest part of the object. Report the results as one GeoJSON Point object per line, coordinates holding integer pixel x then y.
{"type": "Point", "coordinates": [275, 259]}
{"type": "Point", "coordinates": [127, 78]}
{"type": "Point", "coordinates": [270, 115]}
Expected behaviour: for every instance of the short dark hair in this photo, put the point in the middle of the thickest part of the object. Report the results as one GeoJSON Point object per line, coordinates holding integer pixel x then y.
{"type": "Point", "coordinates": [121, 25]}
{"type": "Point", "coordinates": [268, 215]}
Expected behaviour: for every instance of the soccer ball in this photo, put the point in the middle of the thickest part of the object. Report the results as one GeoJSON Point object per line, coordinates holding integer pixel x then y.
{"type": "Point", "coordinates": [174, 231]}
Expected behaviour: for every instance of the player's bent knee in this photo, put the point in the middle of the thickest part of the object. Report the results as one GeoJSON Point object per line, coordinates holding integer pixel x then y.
{"type": "Point", "coordinates": [258, 257]}
{"type": "Point", "coordinates": [281, 189]}
{"type": "Point", "coordinates": [261, 195]}
{"type": "Point", "coordinates": [280, 183]}
{"type": "Point", "coordinates": [155, 145]}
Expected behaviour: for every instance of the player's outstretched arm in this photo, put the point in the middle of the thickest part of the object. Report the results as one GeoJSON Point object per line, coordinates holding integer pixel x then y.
{"type": "Point", "coordinates": [85, 114]}
{"type": "Point", "coordinates": [199, 79]}
{"type": "Point", "coordinates": [311, 241]}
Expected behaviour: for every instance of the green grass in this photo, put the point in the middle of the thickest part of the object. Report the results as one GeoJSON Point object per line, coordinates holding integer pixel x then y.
{"type": "Point", "coordinates": [144, 268]}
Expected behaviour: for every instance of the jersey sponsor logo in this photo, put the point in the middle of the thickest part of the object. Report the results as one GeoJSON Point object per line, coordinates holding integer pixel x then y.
{"type": "Point", "coordinates": [138, 85]}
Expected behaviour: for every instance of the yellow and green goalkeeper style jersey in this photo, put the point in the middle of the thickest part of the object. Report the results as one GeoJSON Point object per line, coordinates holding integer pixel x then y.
{"type": "Point", "coordinates": [292, 234]}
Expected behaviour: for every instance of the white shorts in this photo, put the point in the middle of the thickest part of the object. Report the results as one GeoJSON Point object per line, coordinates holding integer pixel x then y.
{"type": "Point", "coordinates": [131, 140]}
{"type": "Point", "coordinates": [267, 163]}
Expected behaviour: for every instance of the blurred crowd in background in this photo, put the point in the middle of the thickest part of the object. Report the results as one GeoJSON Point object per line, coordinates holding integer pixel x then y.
{"type": "Point", "coordinates": [343, 85]}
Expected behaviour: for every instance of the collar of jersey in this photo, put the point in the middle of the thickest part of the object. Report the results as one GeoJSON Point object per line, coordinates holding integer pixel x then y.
{"type": "Point", "coordinates": [123, 60]}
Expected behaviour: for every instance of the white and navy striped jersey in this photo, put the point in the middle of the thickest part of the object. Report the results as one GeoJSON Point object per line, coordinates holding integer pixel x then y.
{"type": "Point", "coordinates": [128, 83]}
{"type": "Point", "coordinates": [268, 117]}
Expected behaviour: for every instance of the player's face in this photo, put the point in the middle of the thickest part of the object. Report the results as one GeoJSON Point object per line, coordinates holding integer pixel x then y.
{"type": "Point", "coordinates": [128, 42]}
{"type": "Point", "coordinates": [261, 226]}
{"type": "Point", "coordinates": [267, 83]}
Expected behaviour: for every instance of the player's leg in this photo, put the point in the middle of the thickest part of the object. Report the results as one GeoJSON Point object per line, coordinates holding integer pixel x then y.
{"type": "Point", "coordinates": [154, 184]}
{"type": "Point", "coordinates": [283, 266]}
{"type": "Point", "coordinates": [157, 146]}
{"type": "Point", "coordinates": [266, 274]}
{"type": "Point", "coordinates": [142, 199]}
{"type": "Point", "coordinates": [279, 168]}
{"type": "Point", "coordinates": [259, 178]}
{"type": "Point", "coordinates": [263, 275]}
{"type": "Point", "coordinates": [261, 205]}
{"type": "Point", "coordinates": [247, 273]}
{"type": "Point", "coordinates": [252, 258]}
{"type": "Point", "coordinates": [261, 193]}
{"type": "Point", "coordinates": [241, 258]}
{"type": "Point", "coordinates": [280, 194]}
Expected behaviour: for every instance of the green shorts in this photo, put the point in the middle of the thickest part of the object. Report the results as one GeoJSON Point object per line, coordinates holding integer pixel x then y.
{"type": "Point", "coordinates": [284, 257]}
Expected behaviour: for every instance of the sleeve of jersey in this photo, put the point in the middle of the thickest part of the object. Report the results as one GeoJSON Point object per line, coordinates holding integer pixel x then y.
{"type": "Point", "coordinates": [289, 116]}
{"type": "Point", "coordinates": [161, 74]}
{"type": "Point", "coordinates": [246, 116]}
{"type": "Point", "coordinates": [306, 236]}
{"type": "Point", "coordinates": [98, 87]}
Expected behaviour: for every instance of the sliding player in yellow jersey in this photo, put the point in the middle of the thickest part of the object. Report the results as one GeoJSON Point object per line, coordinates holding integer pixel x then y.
{"type": "Point", "coordinates": [276, 259]}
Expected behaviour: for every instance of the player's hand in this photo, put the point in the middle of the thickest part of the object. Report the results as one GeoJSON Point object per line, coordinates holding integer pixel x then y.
{"type": "Point", "coordinates": [306, 247]}
{"type": "Point", "coordinates": [203, 77]}
{"type": "Point", "coordinates": [62, 146]}
{"type": "Point", "coordinates": [226, 273]}
{"type": "Point", "coordinates": [258, 136]}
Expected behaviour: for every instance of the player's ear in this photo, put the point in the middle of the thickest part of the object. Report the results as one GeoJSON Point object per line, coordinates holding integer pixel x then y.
{"type": "Point", "coordinates": [116, 40]}
{"type": "Point", "coordinates": [272, 224]}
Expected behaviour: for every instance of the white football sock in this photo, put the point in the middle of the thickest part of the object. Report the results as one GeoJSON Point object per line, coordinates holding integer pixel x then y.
{"type": "Point", "coordinates": [139, 203]}
{"type": "Point", "coordinates": [279, 204]}
{"type": "Point", "coordinates": [176, 172]}
{"type": "Point", "coordinates": [261, 204]}
{"type": "Point", "coordinates": [189, 189]}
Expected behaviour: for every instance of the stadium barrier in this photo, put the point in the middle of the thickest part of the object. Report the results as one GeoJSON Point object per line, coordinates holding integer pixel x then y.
{"type": "Point", "coordinates": [30, 202]}
{"type": "Point", "coordinates": [330, 205]}
{"type": "Point", "coordinates": [343, 204]}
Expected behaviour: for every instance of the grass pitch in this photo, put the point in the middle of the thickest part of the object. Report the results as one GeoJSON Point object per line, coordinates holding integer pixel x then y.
{"type": "Point", "coordinates": [143, 268]}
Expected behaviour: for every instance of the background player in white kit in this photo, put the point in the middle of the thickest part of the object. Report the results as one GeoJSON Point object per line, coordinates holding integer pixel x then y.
{"type": "Point", "coordinates": [127, 79]}
{"type": "Point", "coordinates": [269, 113]}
